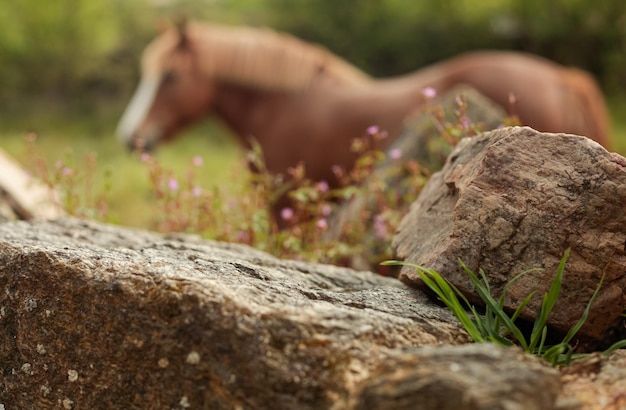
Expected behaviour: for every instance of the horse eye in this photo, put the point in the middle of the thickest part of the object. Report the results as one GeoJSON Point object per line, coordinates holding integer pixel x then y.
{"type": "Point", "coordinates": [169, 77]}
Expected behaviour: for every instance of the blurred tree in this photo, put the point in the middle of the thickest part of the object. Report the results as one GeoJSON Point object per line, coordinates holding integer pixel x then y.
{"type": "Point", "coordinates": [387, 37]}
{"type": "Point", "coordinates": [88, 48]}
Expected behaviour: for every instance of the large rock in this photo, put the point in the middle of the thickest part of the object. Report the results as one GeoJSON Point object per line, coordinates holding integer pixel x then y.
{"type": "Point", "coordinates": [469, 377]}
{"type": "Point", "coordinates": [515, 199]}
{"type": "Point", "coordinates": [98, 317]}
{"type": "Point", "coordinates": [596, 382]}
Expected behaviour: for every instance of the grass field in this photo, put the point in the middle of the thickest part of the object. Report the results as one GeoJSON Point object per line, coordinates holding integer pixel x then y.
{"type": "Point", "coordinates": [129, 195]}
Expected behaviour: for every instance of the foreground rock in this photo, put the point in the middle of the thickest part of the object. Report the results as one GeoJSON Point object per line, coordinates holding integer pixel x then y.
{"type": "Point", "coordinates": [596, 382]}
{"type": "Point", "coordinates": [469, 377]}
{"type": "Point", "coordinates": [97, 317]}
{"type": "Point", "coordinates": [515, 199]}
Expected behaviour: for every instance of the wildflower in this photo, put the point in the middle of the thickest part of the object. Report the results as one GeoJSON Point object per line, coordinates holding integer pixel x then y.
{"type": "Point", "coordinates": [372, 130]}
{"type": "Point", "coordinates": [286, 213]}
{"type": "Point", "coordinates": [196, 192]}
{"type": "Point", "coordinates": [464, 123]}
{"type": "Point", "coordinates": [395, 153]}
{"type": "Point", "coordinates": [172, 184]}
{"type": "Point", "coordinates": [67, 171]}
{"type": "Point", "coordinates": [322, 186]}
{"type": "Point", "coordinates": [145, 157]}
{"type": "Point", "coordinates": [380, 227]}
{"type": "Point", "coordinates": [326, 209]}
{"type": "Point", "coordinates": [322, 224]}
{"type": "Point", "coordinates": [243, 237]}
{"type": "Point", "coordinates": [429, 93]}
{"type": "Point", "coordinates": [337, 171]}
{"type": "Point", "coordinates": [197, 161]}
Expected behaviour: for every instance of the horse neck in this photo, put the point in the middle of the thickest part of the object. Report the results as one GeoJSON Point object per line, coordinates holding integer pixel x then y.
{"type": "Point", "coordinates": [245, 110]}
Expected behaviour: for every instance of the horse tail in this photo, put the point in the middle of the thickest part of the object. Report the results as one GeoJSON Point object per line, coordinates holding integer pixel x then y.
{"type": "Point", "coordinates": [594, 114]}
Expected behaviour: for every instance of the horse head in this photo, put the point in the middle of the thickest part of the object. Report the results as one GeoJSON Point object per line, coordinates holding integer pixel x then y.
{"type": "Point", "coordinates": [171, 94]}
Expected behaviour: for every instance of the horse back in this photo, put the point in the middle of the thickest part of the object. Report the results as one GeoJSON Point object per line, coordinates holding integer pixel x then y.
{"type": "Point", "coordinates": [592, 113]}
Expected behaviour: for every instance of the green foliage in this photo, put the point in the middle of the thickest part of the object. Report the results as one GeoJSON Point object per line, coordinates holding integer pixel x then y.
{"type": "Point", "coordinates": [496, 325]}
{"type": "Point", "coordinates": [388, 37]}
{"type": "Point", "coordinates": [301, 229]}
{"type": "Point", "coordinates": [89, 48]}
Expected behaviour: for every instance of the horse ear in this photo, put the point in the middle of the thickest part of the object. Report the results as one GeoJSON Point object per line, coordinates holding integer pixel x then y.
{"type": "Point", "coordinates": [181, 28]}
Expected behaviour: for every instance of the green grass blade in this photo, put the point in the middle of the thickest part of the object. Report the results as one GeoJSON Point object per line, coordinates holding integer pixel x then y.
{"type": "Point", "coordinates": [522, 305]}
{"type": "Point", "coordinates": [574, 329]}
{"type": "Point", "coordinates": [494, 306]}
{"type": "Point", "coordinates": [617, 345]}
{"type": "Point", "coordinates": [549, 300]}
{"type": "Point", "coordinates": [447, 293]}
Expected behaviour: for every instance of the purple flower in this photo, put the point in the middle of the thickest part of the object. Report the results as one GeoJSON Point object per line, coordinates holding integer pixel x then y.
{"type": "Point", "coordinates": [380, 227]}
{"type": "Point", "coordinates": [286, 213]}
{"type": "Point", "coordinates": [395, 153]}
{"type": "Point", "coordinates": [429, 93]}
{"type": "Point", "coordinates": [322, 186]}
{"type": "Point", "coordinates": [464, 123]}
{"type": "Point", "coordinates": [172, 184]}
{"type": "Point", "coordinates": [197, 161]}
{"type": "Point", "coordinates": [322, 224]}
{"type": "Point", "coordinates": [145, 157]}
{"type": "Point", "coordinates": [337, 170]}
{"type": "Point", "coordinates": [372, 130]}
{"type": "Point", "coordinates": [326, 209]}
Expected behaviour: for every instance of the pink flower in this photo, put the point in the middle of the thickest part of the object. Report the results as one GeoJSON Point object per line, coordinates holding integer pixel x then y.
{"type": "Point", "coordinates": [371, 130]}
{"type": "Point", "coordinates": [286, 213]}
{"type": "Point", "coordinates": [197, 161]}
{"type": "Point", "coordinates": [322, 224]}
{"type": "Point", "coordinates": [67, 171]}
{"type": "Point", "coordinates": [337, 171]}
{"type": "Point", "coordinates": [429, 93]}
{"type": "Point", "coordinates": [145, 157]}
{"type": "Point", "coordinates": [326, 209]}
{"type": "Point", "coordinates": [322, 186]}
{"type": "Point", "coordinates": [172, 184]}
{"type": "Point", "coordinates": [196, 191]}
{"type": "Point", "coordinates": [380, 227]}
{"type": "Point", "coordinates": [464, 123]}
{"type": "Point", "coordinates": [395, 153]}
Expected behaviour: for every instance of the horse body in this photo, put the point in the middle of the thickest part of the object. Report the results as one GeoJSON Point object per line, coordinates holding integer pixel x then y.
{"type": "Point", "coordinates": [311, 112]}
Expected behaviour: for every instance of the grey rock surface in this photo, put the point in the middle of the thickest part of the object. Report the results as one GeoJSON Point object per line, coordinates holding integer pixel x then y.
{"type": "Point", "coordinates": [597, 382]}
{"type": "Point", "coordinates": [514, 199]}
{"type": "Point", "coordinates": [94, 316]}
{"type": "Point", "coordinates": [469, 377]}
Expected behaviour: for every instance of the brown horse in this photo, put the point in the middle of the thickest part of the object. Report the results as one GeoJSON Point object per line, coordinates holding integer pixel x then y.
{"type": "Point", "coordinates": [302, 104]}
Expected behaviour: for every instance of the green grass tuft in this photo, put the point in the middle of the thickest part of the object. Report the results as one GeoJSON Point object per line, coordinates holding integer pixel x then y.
{"type": "Point", "coordinates": [497, 326]}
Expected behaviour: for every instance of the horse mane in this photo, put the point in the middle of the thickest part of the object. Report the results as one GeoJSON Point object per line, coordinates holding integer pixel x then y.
{"type": "Point", "coordinates": [263, 58]}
